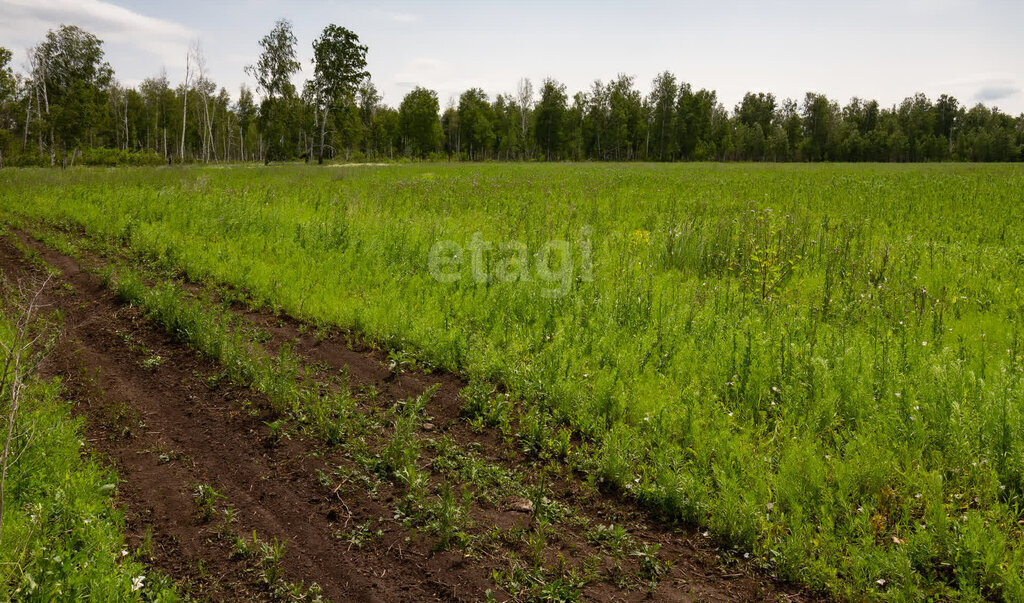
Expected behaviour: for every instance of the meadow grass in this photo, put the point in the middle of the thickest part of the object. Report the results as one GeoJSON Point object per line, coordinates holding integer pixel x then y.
{"type": "Point", "coordinates": [62, 535]}
{"type": "Point", "coordinates": [818, 364]}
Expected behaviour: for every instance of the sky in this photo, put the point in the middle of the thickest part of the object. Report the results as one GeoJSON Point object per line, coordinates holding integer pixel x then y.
{"type": "Point", "coordinates": [877, 49]}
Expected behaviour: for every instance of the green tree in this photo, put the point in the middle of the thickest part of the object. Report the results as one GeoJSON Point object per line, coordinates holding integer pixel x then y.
{"type": "Point", "coordinates": [339, 65]}
{"type": "Point", "coordinates": [695, 113]}
{"type": "Point", "coordinates": [754, 116]}
{"type": "Point", "coordinates": [348, 127]}
{"type": "Point", "coordinates": [550, 119]}
{"type": "Point", "coordinates": [576, 119]}
{"type": "Point", "coordinates": [74, 79]}
{"type": "Point", "coordinates": [418, 122]}
{"type": "Point", "coordinates": [819, 121]}
{"type": "Point", "coordinates": [626, 125]}
{"type": "Point", "coordinates": [987, 135]}
{"type": "Point", "coordinates": [948, 113]}
{"type": "Point", "coordinates": [594, 124]}
{"type": "Point", "coordinates": [157, 105]}
{"type": "Point", "coordinates": [756, 110]}
{"type": "Point", "coordinates": [524, 106]}
{"type": "Point", "coordinates": [369, 105]}
{"type": "Point", "coordinates": [788, 118]}
{"type": "Point", "coordinates": [8, 87]}
{"type": "Point", "coordinates": [387, 121]}
{"type": "Point", "coordinates": [662, 102]}
{"type": "Point", "coordinates": [245, 109]}
{"type": "Point", "coordinates": [917, 118]}
{"type": "Point", "coordinates": [7, 81]}
{"type": "Point", "coordinates": [476, 128]}
{"type": "Point", "coordinates": [859, 119]}
{"type": "Point", "coordinates": [505, 124]}
{"type": "Point", "coordinates": [450, 130]}
{"type": "Point", "coordinates": [273, 72]}
{"type": "Point", "coordinates": [1020, 138]}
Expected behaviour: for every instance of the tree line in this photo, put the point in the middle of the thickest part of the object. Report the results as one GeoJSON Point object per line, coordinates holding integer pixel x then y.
{"type": "Point", "coordinates": [68, 107]}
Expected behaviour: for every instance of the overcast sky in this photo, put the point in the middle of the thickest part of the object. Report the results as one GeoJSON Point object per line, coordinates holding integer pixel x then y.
{"type": "Point", "coordinates": [882, 49]}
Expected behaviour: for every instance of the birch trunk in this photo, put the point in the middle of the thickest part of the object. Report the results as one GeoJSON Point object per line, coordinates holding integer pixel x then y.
{"type": "Point", "coordinates": [184, 110]}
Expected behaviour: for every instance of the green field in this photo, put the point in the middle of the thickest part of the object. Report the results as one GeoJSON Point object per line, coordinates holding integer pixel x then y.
{"type": "Point", "coordinates": [819, 365]}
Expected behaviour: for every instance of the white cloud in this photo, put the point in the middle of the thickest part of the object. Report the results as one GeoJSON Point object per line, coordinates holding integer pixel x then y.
{"type": "Point", "coordinates": [918, 7]}
{"type": "Point", "coordinates": [443, 78]}
{"type": "Point", "coordinates": [996, 92]}
{"type": "Point", "coordinates": [26, 22]}
{"type": "Point", "coordinates": [423, 71]}
{"type": "Point", "coordinates": [394, 16]}
{"type": "Point", "coordinates": [402, 17]}
{"type": "Point", "coordinates": [991, 77]}
{"type": "Point", "coordinates": [983, 87]}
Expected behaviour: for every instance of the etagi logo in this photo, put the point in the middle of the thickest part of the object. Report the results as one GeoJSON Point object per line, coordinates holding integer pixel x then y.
{"type": "Point", "coordinates": [552, 266]}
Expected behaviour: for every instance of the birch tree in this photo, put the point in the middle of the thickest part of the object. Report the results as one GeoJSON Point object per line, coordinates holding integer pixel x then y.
{"type": "Point", "coordinates": [273, 72]}
{"type": "Point", "coordinates": [74, 79]}
{"type": "Point", "coordinates": [184, 107]}
{"type": "Point", "coordinates": [524, 101]}
{"type": "Point", "coordinates": [339, 65]}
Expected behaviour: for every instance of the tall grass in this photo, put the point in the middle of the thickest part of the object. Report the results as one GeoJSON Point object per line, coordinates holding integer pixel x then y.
{"type": "Point", "coordinates": [62, 535]}
{"type": "Point", "coordinates": [820, 364]}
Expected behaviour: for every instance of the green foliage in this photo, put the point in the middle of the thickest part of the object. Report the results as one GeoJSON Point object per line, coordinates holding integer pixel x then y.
{"type": "Point", "coordinates": [339, 65]}
{"type": "Point", "coordinates": [613, 539]}
{"type": "Point", "coordinates": [279, 109]}
{"type": "Point", "coordinates": [448, 516]}
{"type": "Point", "coordinates": [275, 431]}
{"type": "Point", "coordinates": [7, 81]}
{"type": "Point", "coordinates": [398, 458]}
{"type": "Point", "coordinates": [661, 105]}
{"type": "Point", "coordinates": [418, 122]}
{"type": "Point", "coordinates": [475, 125]}
{"type": "Point", "coordinates": [69, 63]}
{"type": "Point", "coordinates": [340, 114]}
{"type": "Point", "coordinates": [116, 157]}
{"type": "Point", "coordinates": [818, 364]}
{"type": "Point", "coordinates": [267, 558]}
{"type": "Point", "coordinates": [360, 535]}
{"type": "Point", "coordinates": [62, 536]}
{"type": "Point", "coordinates": [277, 62]}
{"type": "Point", "coordinates": [550, 115]}
{"type": "Point", "coordinates": [652, 568]}
{"type": "Point", "coordinates": [206, 497]}
{"type": "Point", "coordinates": [339, 62]}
